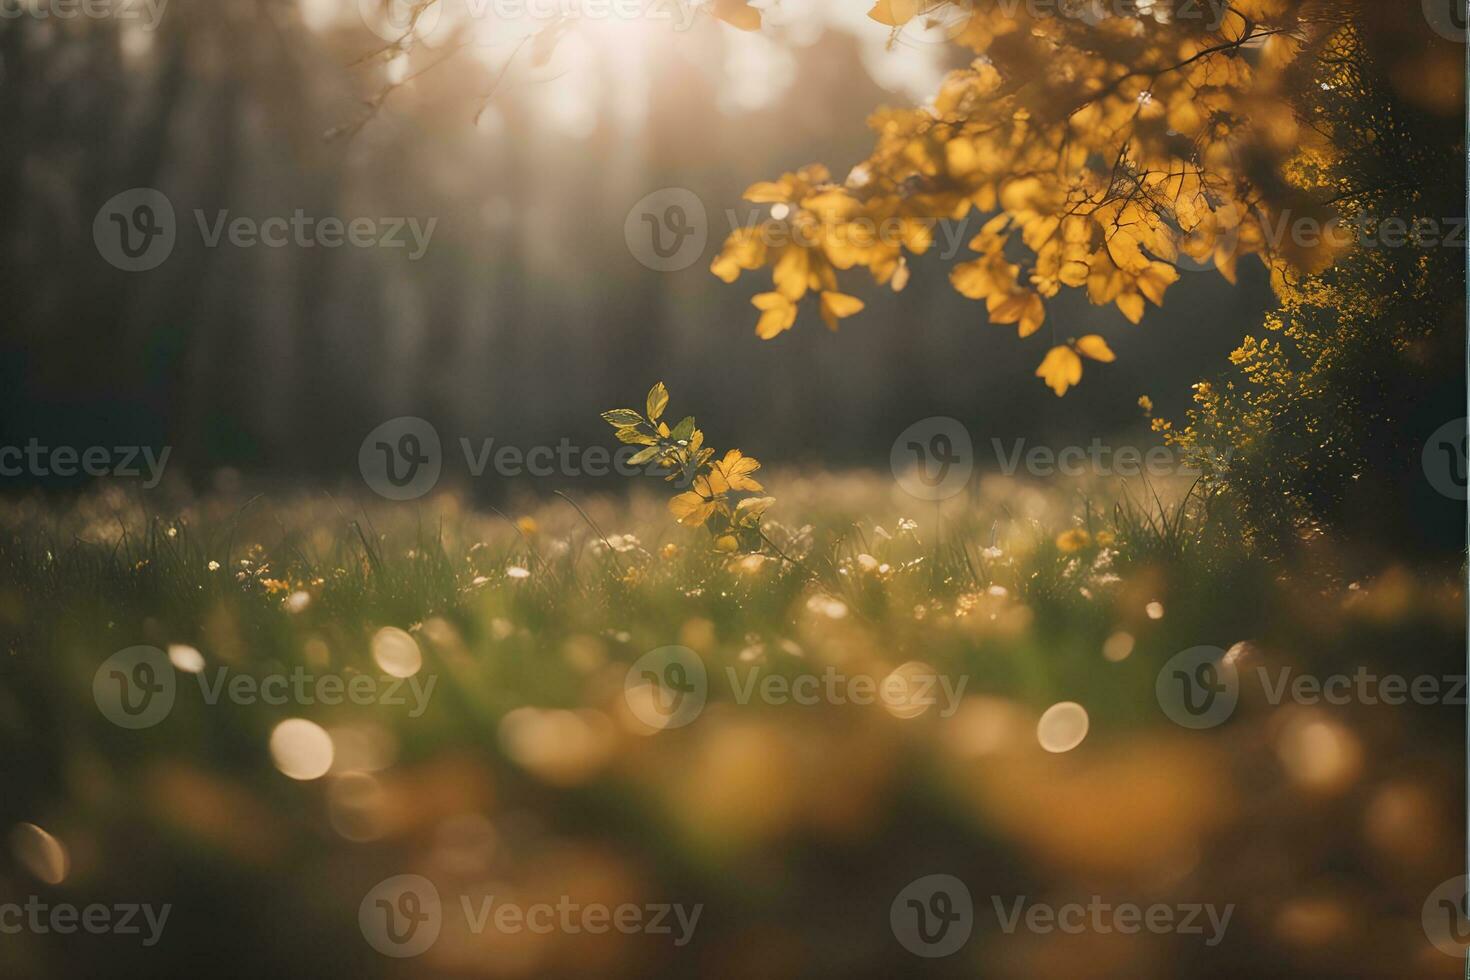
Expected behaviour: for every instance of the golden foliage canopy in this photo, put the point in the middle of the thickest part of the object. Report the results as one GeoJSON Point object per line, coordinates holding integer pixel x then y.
{"type": "Point", "coordinates": [1104, 148]}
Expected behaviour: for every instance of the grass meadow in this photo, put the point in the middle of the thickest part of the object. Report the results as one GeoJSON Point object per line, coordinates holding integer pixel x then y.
{"type": "Point", "coordinates": [461, 700]}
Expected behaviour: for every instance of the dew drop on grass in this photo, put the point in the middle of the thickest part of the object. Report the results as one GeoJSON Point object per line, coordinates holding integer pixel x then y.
{"type": "Point", "coordinates": [396, 652]}
{"type": "Point", "coordinates": [1117, 647]}
{"type": "Point", "coordinates": [301, 749]}
{"type": "Point", "coordinates": [40, 853]}
{"type": "Point", "coordinates": [185, 658]}
{"type": "Point", "coordinates": [1062, 727]}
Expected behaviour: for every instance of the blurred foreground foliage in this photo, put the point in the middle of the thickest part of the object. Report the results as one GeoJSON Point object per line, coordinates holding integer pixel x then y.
{"type": "Point", "coordinates": [529, 776]}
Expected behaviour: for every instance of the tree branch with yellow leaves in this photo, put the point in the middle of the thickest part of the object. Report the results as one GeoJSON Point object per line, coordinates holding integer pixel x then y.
{"type": "Point", "coordinates": [1103, 146]}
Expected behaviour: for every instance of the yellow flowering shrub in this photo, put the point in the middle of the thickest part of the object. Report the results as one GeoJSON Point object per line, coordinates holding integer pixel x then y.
{"type": "Point", "coordinates": [723, 495]}
{"type": "Point", "coordinates": [1321, 417]}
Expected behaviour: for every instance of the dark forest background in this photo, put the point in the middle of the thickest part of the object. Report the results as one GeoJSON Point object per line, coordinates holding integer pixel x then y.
{"type": "Point", "coordinates": [528, 315]}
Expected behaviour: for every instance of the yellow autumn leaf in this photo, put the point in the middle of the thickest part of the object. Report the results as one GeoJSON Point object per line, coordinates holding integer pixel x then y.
{"type": "Point", "coordinates": [1225, 264]}
{"type": "Point", "coordinates": [985, 277]}
{"type": "Point", "coordinates": [778, 314]}
{"type": "Point", "coordinates": [837, 306]}
{"type": "Point", "coordinates": [735, 470]}
{"type": "Point", "coordinates": [1261, 9]}
{"type": "Point", "coordinates": [712, 484]}
{"type": "Point", "coordinates": [1155, 279]}
{"type": "Point", "coordinates": [657, 401]}
{"type": "Point", "coordinates": [831, 206]}
{"type": "Point", "coordinates": [1131, 305]}
{"type": "Point", "coordinates": [792, 275]}
{"type": "Point", "coordinates": [844, 253]}
{"type": "Point", "coordinates": [745, 249]}
{"type": "Point", "coordinates": [1123, 249]}
{"type": "Point", "coordinates": [1023, 308]}
{"type": "Point", "coordinates": [1032, 317]}
{"type": "Point", "coordinates": [1060, 369]}
{"type": "Point", "coordinates": [738, 13]}
{"type": "Point", "coordinates": [767, 192]}
{"type": "Point", "coordinates": [1074, 272]}
{"type": "Point", "coordinates": [971, 279]}
{"type": "Point", "coordinates": [1094, 347]}
{"type": "Point", "coordinates": [894, 13]}
{"type": "Point", "coordinates": [725, 268]}
{"type": "Point", "coordinates": [1105, 281]}
{"type": "Point", "coordinates": [690, 509]}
